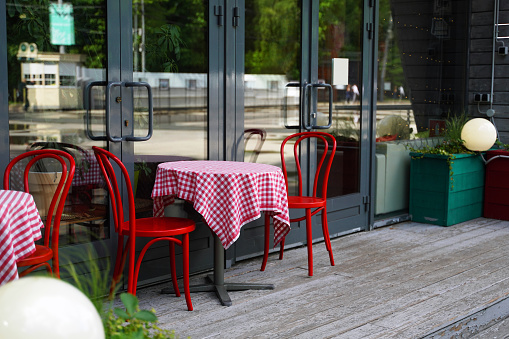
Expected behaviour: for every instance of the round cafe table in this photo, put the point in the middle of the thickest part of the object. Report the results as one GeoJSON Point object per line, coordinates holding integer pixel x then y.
{"type": "Point", "coordinates": [228, 195]}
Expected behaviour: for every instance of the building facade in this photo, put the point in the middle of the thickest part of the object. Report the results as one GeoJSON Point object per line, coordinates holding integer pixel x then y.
{"type": "Point", "coordinates": [385, 73]}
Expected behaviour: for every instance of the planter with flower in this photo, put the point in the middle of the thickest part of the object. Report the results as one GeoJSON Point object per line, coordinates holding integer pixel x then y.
{"type": "Point", "coordinates": [447, 181]}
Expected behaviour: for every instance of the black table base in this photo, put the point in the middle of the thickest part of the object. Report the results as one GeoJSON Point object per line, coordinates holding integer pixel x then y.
{"type": "Point", "coordinates": [216, 281]}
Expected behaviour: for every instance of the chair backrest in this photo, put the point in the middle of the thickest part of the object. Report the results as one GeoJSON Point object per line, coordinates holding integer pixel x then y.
{"type": "Point", "coordinates": [324, 160]}
{"type": "Point", "coordinates": [79, 154]}
{"type": "Point", "coordinates": [59, 194]}
{"type": "Point", "coordinates": [250, 132]}
{"type": "Point", "coordinates": [105, 158]}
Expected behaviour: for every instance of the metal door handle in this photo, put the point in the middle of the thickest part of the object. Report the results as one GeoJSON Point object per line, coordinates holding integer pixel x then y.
{"type": "Point", "coordinates": [108, 106]}
{"type": "Point", "coordinates": [307, 122]}
{"type": "Point", "coordinates": [285, 116]}
{"type": "Point", "coordinates": [150, 111]}
{"type": "Point", "coordinates": [88, 118]}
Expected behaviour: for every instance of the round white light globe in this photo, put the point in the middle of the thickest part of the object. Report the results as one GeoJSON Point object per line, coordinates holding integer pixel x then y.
{"type": "Point", "coordinates": [479, 134]}
{"type": "Point", "coordinates": [44, 308]}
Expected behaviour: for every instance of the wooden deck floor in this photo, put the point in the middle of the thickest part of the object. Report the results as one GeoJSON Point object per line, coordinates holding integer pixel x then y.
{"type": "Point", "coordinates": [400, 281]}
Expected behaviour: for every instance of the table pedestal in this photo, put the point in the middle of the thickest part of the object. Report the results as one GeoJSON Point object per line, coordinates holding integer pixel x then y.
{"type": "Point", "coordinates": [216, 281]}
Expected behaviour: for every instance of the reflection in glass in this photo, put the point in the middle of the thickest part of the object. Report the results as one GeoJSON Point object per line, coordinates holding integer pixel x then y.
{"type": "Point", "coordinates": [170, 54]}
{"type": "Point", "coordinates": [46, 82]}
{"type": "Point", "coordinates": [271, 82]}
{"type": "Point", "coordinates": [421, 81]}
{"type": "Point", "coordinates": [341, 37]}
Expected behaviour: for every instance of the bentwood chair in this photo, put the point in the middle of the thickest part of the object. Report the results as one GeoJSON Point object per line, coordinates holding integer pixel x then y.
{"type": "Point", "coordinates": [158, 228]}
{"type": "Point", "coordinates": [57, 188]}
{"type": "Point", "coordinates": [315, 202]}
{"type": "Point", "coordinates": [261, 135]}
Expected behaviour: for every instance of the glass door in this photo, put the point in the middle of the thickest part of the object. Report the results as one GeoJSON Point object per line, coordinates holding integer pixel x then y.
{"type": "Point", "coordinates": [54, 50]}
{"type": "Point", "coordinates": [170, 54]}
{"type": "Point", "coordinates": [306, 68]}
{"type": "Point", "coordinates": [345, 58]}
{"type": "Point", "coordinates": [77, 78]}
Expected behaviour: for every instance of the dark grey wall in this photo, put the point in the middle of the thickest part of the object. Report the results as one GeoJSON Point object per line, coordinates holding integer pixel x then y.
{"type": "Point", "coordinates": [433, 41]}
{"type": "Point", "coordinates": [480, 64]}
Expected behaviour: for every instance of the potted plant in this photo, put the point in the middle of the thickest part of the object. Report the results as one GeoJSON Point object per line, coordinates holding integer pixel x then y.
{"type": "Point", "coordinates": [140, 167]}
{"type": "Point", "coordinates": [446, 180]}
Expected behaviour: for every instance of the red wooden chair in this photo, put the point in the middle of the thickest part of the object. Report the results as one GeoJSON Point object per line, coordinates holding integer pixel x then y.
{"type": "Point", "coordinates": [317, 202]}
{"type": "Point", "coordinates": [161, 229]}
{"type": "Point", "coordinates": [48, 251]}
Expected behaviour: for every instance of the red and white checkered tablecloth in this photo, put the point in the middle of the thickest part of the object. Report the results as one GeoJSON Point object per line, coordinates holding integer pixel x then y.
{"type": "Point", "coordinates": [227, 194]}
{"type": "Point", "coordinates": [20, 227]}
{"type": "Point", "coordinates": [91, 176]}
{"type": "Point", "coordinates": [82, 177]}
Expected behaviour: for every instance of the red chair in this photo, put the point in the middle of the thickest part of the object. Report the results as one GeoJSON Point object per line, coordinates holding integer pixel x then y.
{"type": "Point", "coordinates": [49, 248]}
{"type": "Point", "coordinates": [161, 229]}
{"type": "Point", "coordinates": [311, 204]}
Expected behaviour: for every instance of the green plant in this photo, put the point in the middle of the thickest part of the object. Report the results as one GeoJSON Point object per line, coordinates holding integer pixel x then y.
{"type": "Point", "coordinates": [501, 145]}
{"type": "Point", "coordinates": [91, 277]}
{"type": "Point", "coordinates": [133, 323]}
{"type": "Point", "coordinates": [454, 125]}
{"type": "Point", "coordinates": [451, 145]}
{"type": "Point", "coordinates": [142, 167]}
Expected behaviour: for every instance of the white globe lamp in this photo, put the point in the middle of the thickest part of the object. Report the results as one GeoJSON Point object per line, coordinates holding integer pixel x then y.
{"type": "Point", "coordinates": [44, 308]}
{"type": "Point", "coordinates": [479, 135]}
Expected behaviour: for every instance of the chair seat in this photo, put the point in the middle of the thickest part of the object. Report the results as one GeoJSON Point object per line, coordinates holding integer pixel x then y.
{"type": "Point", "coordinates": [305, 202]}
{"type": "Point", "coordinates": [41, 254]}
{"type": "Point", "coordinates": [160, 227]}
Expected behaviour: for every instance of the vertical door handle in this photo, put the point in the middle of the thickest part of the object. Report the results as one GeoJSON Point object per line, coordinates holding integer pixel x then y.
{"type": "Point", "coordinates": [88, 117]}
{"type": "Point", "coordinates": [150, 111]}
{"type": "Point", "coordinates": [285, 109]}
{"type": "Point", "coordinates": [311, 116]}
{"type": "Point", "coordinates": [108, 109]}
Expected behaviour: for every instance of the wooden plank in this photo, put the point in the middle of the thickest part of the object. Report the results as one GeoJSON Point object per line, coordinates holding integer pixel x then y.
{"type": "Point", "coordinates": [399, 281]}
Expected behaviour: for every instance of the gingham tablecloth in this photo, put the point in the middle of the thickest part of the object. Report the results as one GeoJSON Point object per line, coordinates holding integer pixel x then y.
{"type": "Point", "coordinates": [227, 194]}
{"type": "Point", "coordinates": [82, 177]}
{"type": "Point", "coordinates": [92, 176]}
{"type": "Point", "coordinates": [20, 227]}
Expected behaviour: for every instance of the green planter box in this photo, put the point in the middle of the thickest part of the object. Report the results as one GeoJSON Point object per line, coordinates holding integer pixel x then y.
{"type": "Point", "coordinates": [446, 196]}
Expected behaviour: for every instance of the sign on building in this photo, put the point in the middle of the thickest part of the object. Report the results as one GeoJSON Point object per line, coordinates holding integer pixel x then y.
{"type": "Point", "coordinates": [61, 22]}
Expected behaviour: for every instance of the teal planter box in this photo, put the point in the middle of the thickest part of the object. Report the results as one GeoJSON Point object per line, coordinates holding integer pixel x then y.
{"type": "Point", "coordinates": [444, 195]}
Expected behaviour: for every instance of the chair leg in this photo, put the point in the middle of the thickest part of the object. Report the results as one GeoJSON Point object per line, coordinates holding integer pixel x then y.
{"type": "Point", "coordinates": [185, 254]}
{"type": "Point", "coordinates": [325, 229]}
{"type": "Point", "coordinates": [267, 240]}
{"type": "Point", "coordinates": [119, 265]}
{"type": "Point", "coordinates": [281, 248]}
{"type": "Point", "coordinates": [173, 268]}
{"type": "Point", "coordinates": [309, 236]}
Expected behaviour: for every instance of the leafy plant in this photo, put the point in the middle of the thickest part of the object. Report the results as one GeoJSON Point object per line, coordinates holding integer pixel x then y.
{"type": "Point", "coordinates": [454, 125]}
{"type": "Point", "coordinates": [168, 44]}
{"type": "Point", "coordinates": [91, 277]}
{"type": "Point", "coordinates": [501, 145]}
{"type": "Point", "coordinates": [133, 323]}
{"type": "Point", "coordinates": [142, 167]}
{"type": "Point", "coordinates": [451, 145]}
